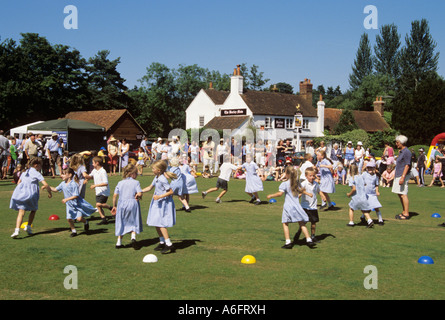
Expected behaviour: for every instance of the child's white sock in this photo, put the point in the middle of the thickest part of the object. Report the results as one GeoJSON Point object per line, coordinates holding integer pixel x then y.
{"type": "Point", "coordinates": [351, 223]}
{"type": "Point", "coordinates": [287, 241]}
{"type": "Point", "coordinates": [119, 242]}
{"type": "Point", "coordinates": [308, 240]}
{"type": "Point", "coordinates": [369, 221]}
{"type": "Point", "coordinates": [133, 236]}
{"type": "Point", "coordinates": [168, 242]}
{"type": "Point", "coordinates": [379, 215]}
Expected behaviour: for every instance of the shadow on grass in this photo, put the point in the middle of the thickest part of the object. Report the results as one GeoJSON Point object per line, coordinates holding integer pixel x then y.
{"type": "Point", "coordinates": [178, 245]}
{"type": "Point", "coordinates": [67, 229]}
{"type": "Point", "coordinates": [302, 242]}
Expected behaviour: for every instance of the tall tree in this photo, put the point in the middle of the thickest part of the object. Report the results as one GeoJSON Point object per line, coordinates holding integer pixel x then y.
{"type": "Point", "coordinates": [106, 86]}
{"type": "Point", "coordinates": [418, 59]}
{"type": "Point", "coordinates": [346, 122]}
{"type": "Point", "coordinates": [387, 50]}
{"type": "Point", "coordinates": [363, 63]}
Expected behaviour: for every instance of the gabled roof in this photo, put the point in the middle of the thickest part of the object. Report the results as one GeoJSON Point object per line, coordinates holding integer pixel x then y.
{"type": "Point", "coordinates": [370, 121]}
{"type": "Point", "coordinates": [104, 118]}
{"type": "Point", "coordinates": [268, 103]}
{"type": "Point", "coordinates": [220, 123]}
{"type": "Point", "coordinates": [218, 97]}
{"type": "Point", "coordinates": [274, 103]}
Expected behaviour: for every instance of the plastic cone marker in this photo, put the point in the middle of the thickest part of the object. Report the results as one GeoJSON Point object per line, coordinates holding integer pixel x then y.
{"type": "Point", "coordinates": [436, 215]}
{"type": "Point", "coordinates": [150, 258]}
{"type": "Point", "coordinates": [53, 217]}
{"type": "Point", "coordinates": [248, 259]}
{"type": "Point", "coordinates": [425, 260]}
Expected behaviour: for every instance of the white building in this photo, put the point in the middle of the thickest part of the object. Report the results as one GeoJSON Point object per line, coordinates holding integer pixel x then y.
{"type": "Point", "coordinates": [274, 115]}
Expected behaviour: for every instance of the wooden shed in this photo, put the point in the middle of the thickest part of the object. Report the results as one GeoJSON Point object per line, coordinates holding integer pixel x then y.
{"type": "Point", "coordinates": [119, 123]}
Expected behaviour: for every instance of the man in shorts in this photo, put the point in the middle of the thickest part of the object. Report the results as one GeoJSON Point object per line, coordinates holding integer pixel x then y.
{"type": "Point", "coordinates": [402, 177]}
{"type": "Point", "coordinates": [223, 179]}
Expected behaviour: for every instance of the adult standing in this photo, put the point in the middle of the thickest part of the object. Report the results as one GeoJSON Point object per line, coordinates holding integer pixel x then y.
{"type": "Point", "coordinates": [421, 166]}
{"type": "Point", "coordinates": [52, 152]}
{"type": "Point", "coordinates": [281, 149]}
{"type": "Point", "coordinates": [401, 179]}
{"type": "Point", "coordinates": [31, 147]}
{"type": "Point", "coordinates": [208, 149]}
{"type": "Point", "coordinates": [359, 155]}
{"type": "Point", "coordinates": [349, 155]}
{"type": "Point", "coordinates": [125, 149]}
{"type": "Point", "coordinates": [388, 154]}
{"type": "Point", "coordinates": [112, 149]}
{"type": "Point", "coordinates": [4, 153]}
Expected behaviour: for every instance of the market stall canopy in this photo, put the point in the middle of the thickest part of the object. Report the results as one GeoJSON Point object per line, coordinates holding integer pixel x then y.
{"type": "Point", "coordinates": [66, 125]}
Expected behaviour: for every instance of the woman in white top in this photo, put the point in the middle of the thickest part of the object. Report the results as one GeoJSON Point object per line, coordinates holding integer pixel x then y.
{"type": "Point", "coordinates": [359, 155]}
{"type": "Point", "coordinates": [125, 148]}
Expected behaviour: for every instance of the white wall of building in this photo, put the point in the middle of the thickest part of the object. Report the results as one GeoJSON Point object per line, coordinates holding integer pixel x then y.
{"type": "Point", "coordinates": [201, 106]}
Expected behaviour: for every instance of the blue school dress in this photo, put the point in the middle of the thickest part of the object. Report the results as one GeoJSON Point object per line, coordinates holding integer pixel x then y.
{"type": "Point", "coordinates": [162, 212]}
{"type": "Point", "coordinates": [371, 182]}
{"type": "Point", "coordinates": [253, 181]}
{"type": "Point", "coordinates": [26, 194]}
{"type": "Point", "coordinates": [327, 183]}
{"type": "Point", "coordinates": [128, 211]}
{"type": "Point", "coordinates": [78, 207]}
{"type": "Point", "coordinates": [178, 185]}
{"type": "Point", "coordinates": [358, 199]}
{"type": "Point", "coordinates": [190, 181]}
{"type": "Point", "coordinates": [292, 210]}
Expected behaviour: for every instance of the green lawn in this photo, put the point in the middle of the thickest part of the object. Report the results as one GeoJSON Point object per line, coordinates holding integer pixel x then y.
{"type": "Point", "coordinates": [211, 242]}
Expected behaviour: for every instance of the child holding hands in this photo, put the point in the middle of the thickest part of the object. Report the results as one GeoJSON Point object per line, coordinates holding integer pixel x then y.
{"type": "Point", "coordinates": [127, 210]}
{"type": "Point", "coordinates": [26, 195]}
{"type": "Point", "coordinates": [292, 210]}
{"type": "Point", "coordinates": [162, 212]}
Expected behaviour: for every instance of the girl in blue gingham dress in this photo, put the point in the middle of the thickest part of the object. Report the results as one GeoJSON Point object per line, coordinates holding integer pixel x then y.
{"type": "Point", "coordinates": [162, 212]}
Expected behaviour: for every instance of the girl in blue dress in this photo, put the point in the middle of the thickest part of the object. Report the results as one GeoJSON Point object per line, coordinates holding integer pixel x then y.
{"type": "Point", "coordinates": [178, 184]}
{"type": "Point", "coordinates": [372, 189]}
{"type": "Point", "coordinates": [358, 197]}
{"type": "Point", "coordinates": [78, 165]}
{"type": "Point", "coordinates": [162, 212]}
{"type": "Point", "coordinates": [292, 210]}
{"type": "Point", "coordinates": [254, 184]}
{"type": "Point", "coordinates": [190, 181]}
{"type": "Point", "coordinates": [327, 182]}
{"type": "Point", "coordinates": [77, 208]}
{"type": "Point", "coordinates": [127, 210]}
{"type": "Point", "coordinates": [26, 195]}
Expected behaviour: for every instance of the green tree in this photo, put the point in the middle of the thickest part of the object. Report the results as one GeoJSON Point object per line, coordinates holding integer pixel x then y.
{"type": "Point", "coordinates": [345, 123]}
{"type": "Point", "coordinates": [106, 86]}
{"type": "Point", "coordinates": [387, 51]}
{"type": "Point", "coordinates": [418, 59]}
{"type": "Point", "coordinates": [363, 63]}
{"type": "Point", "coordinates": [418, 114]}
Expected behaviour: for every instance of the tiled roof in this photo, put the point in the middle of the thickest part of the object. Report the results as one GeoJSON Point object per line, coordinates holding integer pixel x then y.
{"type": "Point", "coordinates": [220, 123]}
{"type": "Point", "coordinates": [370, 121]}
{"type": "Point", "coordinates": [218, 97]}
{"type": "Point", "coordinates": [104, 118]}
{"type": "Point", "coordinates": [273, 103]}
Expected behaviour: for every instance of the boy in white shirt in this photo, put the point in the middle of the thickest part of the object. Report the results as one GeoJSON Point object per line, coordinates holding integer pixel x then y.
{"type": "Point", "coordinates": [307, 164]}
{"type": "Point", "coordinates": [309, 204]}
{"type": "Point", "coordinates": [223, 179]}
{"type": "Point", "coordinates": [99, 175]}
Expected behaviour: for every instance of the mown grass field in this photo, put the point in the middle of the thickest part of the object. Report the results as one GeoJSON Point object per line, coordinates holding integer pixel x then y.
{"type": "Point", "coordinates": [211, 242]}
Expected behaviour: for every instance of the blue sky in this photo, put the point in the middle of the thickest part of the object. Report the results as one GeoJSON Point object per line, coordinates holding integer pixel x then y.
{"type": "Point", "coordinates": [288, 39]}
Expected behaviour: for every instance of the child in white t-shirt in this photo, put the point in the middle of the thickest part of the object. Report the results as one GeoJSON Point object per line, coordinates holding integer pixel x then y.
{"type": "Point", "coordinates": [309, 203]}
{"type": "Point", "coordinates": [99, 175]}
{"type": "Point", "coordinates": [223, 179]}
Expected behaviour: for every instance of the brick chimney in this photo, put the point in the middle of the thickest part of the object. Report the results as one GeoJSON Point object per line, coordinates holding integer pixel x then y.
{"type": "Point", "coordinates": [306, 90]}
{"type": "Point", "coordinates": [236, 81]}
{"type": "Point", "coordinates": [378, 105]}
